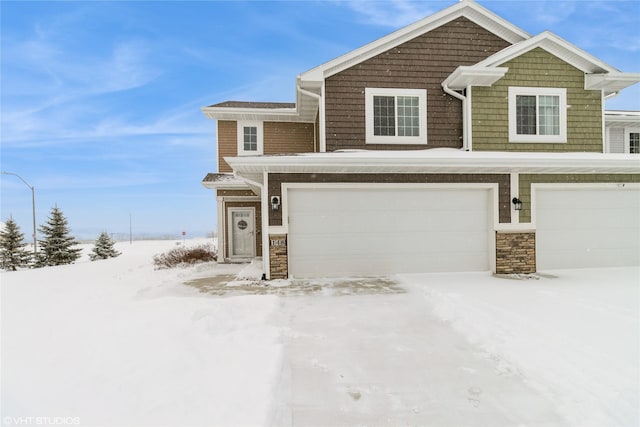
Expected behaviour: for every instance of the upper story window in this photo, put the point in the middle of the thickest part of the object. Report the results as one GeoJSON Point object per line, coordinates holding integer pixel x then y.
{"type": "Point", "coordinates": [634, 142]}
{"type": "Point", "coordinates": [396, 116]}
{"type": "Point", "coordinates": [250, 139]}
{"type": "Point", "coordinates": [622, 140]}
{"type": "Point", "coordinates": [537, 114]}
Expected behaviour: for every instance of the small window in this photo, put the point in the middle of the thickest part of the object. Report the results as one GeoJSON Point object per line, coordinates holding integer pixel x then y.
{"type": "Point", "coordinates": [396, 116]}
{"type": "Point", "coordinates": [634, 142]}
{"type": "Point", "coordinates": [250, 138]}
{"type": "Point", "coordinates": [537, 114]}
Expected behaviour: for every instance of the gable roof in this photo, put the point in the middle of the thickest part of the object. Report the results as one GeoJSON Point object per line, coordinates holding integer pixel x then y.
{"type": "Point", "coordinates": [556, 46]}
{"type": "Point", "coordinates": [465, 8]}
{"type": "Point", "coordinates": [599, 75]}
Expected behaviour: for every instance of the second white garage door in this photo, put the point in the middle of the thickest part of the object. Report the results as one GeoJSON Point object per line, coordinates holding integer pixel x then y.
{"type": "Point", "coordinates": [583, 227]}
{"type": "Point", "coordinates": [368, 231]}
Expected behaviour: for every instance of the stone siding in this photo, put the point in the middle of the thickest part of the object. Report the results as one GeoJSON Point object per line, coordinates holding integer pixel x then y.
{"type": "Point", "coordinates": [278, 257]}
{"type": "Point", "coordinates": [515, 252]}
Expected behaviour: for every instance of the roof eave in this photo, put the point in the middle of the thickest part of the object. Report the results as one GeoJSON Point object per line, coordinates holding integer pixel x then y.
{"type": "Point", "coordinates": [610, 82]}
{"type": "Point", "coordinates": [255, 114]}
{"type": "Point", "coordinates": [470, 162]}
{"type": "Point", "coordinates": [465, 76]}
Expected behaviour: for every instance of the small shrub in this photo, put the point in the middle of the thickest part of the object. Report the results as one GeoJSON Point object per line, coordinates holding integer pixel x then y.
{"type": "Point", "coordinates": [103, 248]}
{"type": "Point", "coordinates": [185, 256]}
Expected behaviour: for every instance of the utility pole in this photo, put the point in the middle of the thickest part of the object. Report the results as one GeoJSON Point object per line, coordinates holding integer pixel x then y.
{"type": "Point", "coordinates": [33, 208]}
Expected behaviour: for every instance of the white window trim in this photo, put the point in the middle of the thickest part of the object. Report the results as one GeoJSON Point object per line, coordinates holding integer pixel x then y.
{"type": "Point", "coordinates": [560, 92]}
{"type": "Point", "coordinates": [241, 150]}
{"type": "Point", "coordinates": [627, 138]}
{"type": "Point", "coordinates": [378, 139]}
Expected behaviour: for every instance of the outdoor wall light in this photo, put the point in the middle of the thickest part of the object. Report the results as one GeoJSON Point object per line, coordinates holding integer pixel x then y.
{"type": "Point", "coordinates": [275, 203]}
{"type": "Point", "coordinates": [517, 203]}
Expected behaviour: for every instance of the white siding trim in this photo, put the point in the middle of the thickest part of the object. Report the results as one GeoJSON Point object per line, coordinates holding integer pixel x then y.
{"type": "Point", "coordinates": [221, 229]}
{"type": "Point", "coordinates": [467, 125]}
{"type": "Point", "coordinates": [321, 121]}
{"type": "Point", "coordinates": [264, 211]}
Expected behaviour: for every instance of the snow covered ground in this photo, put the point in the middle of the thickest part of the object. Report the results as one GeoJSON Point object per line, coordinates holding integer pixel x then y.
{"type": "Point", "coordinates": [117, 343]}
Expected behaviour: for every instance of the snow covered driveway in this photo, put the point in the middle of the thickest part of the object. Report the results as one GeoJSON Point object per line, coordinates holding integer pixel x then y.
{"type": "Point", "coordinates": [117, 343]}
{"type": "Point", "coordinates": [385, 359]}
{"type": "Point", "coordinates": [467, 349]}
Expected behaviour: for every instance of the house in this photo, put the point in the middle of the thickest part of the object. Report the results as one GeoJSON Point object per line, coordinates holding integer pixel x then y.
{"type": "Point", "coordinates": [457, 143]}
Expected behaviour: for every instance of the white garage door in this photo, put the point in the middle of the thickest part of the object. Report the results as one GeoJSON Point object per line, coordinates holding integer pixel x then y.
{"type": "Point", "coordinates": [587, 228]}
{"type": "Point", "coordinates": [337, 232]}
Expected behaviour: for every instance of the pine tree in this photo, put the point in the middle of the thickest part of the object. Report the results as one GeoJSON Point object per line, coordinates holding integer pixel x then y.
{"type": "Point", "coordinates": [57, 246]}
{"type": "Point", "coordinates": [103, 248]}
{"type": "Point", "coordinates": [13, 254]}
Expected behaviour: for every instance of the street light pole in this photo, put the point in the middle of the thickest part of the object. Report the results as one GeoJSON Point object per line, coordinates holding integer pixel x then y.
{"type": "Point", "coordinates": [33, 207]}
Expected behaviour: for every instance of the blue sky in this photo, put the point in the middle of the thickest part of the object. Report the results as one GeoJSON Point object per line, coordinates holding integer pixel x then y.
{"type": "Point", "coordinates": [101, 100]}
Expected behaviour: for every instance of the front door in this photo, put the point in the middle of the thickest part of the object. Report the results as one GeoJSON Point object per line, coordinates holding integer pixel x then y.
{"type": "Point", "coordinates": [242, 233]}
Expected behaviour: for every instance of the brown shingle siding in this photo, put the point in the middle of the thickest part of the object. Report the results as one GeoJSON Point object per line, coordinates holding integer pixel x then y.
{"type": "Point", "coordinates": [227, 143]}
{"type": "Point", "coordinates": [278, 138]}
{"type": "Point", "coordinates": [421, 63]}
{"type": "Point", "coordinates": [287, 138]}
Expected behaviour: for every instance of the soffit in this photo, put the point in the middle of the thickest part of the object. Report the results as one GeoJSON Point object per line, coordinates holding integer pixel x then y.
{"type": "Point", "coordinates": [438, 161]}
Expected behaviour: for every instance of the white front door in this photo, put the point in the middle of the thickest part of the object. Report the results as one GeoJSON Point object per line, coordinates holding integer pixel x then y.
{"type": "Point", "coordinates": [242, 233]}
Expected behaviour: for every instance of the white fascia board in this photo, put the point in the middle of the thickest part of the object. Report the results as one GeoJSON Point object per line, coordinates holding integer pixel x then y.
{"type": "Point", "coordinates": [465, 8]}
{"type": "Point", "coordinates": [420, 161]}
{"type": "Point", "coordinates": [237, 185]}
{"type": "Point", "coordinates": [556, 46]}
{"type": "Point", "coordinates": [465, 76]}
{"type": "Point", "coordinates": [227, 181]}
{"type": "Point", "coordinates": [252, 114]}
{"type": "Point", "coordinates": [622, 118]}
{"type": "Point", "coordinates": [610, 82]}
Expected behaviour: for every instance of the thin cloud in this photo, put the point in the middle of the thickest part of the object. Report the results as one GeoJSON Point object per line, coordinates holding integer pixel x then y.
{"type": "Point", "coordinates": [393, 14]}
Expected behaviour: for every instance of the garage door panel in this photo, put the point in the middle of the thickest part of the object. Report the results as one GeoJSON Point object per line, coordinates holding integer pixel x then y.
{"type": "Point", "coordinates": [386, 221]}
{"type": "Point", "coordinates": [349, 231]}
{"type": "Point", "coordinates": [382, 265]}
{"type": "Point", "coordinates": [588, 228]}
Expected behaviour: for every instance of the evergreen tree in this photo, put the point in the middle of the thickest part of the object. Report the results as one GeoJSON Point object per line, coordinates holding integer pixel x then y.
{"type": "Point", "coordinates": [13, 254]}
{"type": "Point", "coordinates": [103, 248]}
{"type": "Point", "coordinates": [57, 246]}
